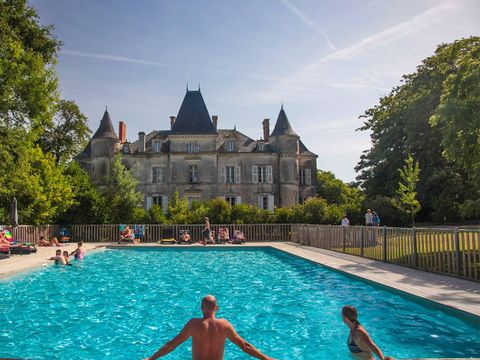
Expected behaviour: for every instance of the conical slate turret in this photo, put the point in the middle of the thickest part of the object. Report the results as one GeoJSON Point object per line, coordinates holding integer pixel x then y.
{"type": "Point", "coordinates": [105, 130]}
{"type": "Point", "coordinates": [282, 126]}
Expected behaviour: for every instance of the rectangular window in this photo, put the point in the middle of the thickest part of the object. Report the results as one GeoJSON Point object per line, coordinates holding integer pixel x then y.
{"type": "Point", "coordinates": [193, 173]}
{"type": "Point", "coordinates": [232, 200]}
{"type": "Point", "coordinates": [157, 200]}
{"type": "Point", "coordinates": [262, 174]}
{"type": "Point", "coordinates": [157, 175]}
{"type": "Point", "coordinates": [265, 202]}
{"type": "Point", "coordinates": [193, 147]}
{"type": "Point", "coordinates": [230, 172]}
{"type": "Point", "coordinates": [157, 145]}
{"type": "Point", "coordinates": [230, 145]}
{"type": "Point", "coordinates": [305, 177]}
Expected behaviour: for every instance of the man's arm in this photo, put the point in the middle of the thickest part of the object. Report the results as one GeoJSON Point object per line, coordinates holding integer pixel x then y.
{"type": "Point", "coordinates": [244, 345]}
{"type": "Point", "coordinates": [172, 344]}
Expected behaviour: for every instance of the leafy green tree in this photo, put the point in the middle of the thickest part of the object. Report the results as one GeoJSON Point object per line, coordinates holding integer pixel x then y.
{"type": "Point", "coordinates": [178, 212]}
{"type": "Point", "coordinates": [28, 82]}
{"type": "Point", "coordinates": [68, 134]}
{"type": "Point", "coordinates": [219, 211]}
{"type": "Point", "coordinates": [402, 123]}
{"type": "Point", "coordinates": [458, 119]}
{"type": "Point", "coordinates": [406, 199]}
{"type": "Point", "coordinates": [121, 193]}
{"type": "Point", "coordinates": [89, 206]}
{"type": "Point", "coordinates": [348, 197]}
{"type": "Point", "coordinates": [155, 215]}
{"type": "Point", "coordinates": [41, 188]}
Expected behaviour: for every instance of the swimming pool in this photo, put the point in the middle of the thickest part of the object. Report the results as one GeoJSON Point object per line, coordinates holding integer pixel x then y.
{"type": "Point", "coordinates": [125, 304]}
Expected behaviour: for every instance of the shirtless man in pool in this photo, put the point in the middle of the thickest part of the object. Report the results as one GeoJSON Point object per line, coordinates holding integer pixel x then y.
{"type": "Point", "coordinates": [208, 336]}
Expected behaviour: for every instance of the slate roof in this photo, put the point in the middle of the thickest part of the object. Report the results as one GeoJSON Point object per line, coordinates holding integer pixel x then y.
{"type": "Point", "coordinates": [193, 116]}
{"type": "Point", "coordinates": [282, 126]}
{"type": "Point", "coordinates": [105, 130]}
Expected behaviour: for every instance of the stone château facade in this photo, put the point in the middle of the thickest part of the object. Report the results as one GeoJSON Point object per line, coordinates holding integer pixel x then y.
{"type": "Point", "coordinates": [202, 162]}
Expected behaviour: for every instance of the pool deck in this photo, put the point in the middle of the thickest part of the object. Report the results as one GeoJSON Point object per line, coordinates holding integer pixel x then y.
{"type": "Point", "coordinates": [449, 291]}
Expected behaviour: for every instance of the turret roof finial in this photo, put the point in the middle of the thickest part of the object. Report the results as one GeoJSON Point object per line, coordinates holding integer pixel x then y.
{"type": "Point", "coordinates": [199, 86]}
{"type": "Point", "coordinates": [187, 86]}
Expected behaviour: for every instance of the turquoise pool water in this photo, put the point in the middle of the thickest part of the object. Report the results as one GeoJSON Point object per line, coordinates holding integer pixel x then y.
{"type": "Point", "coordinates": [124, 304]}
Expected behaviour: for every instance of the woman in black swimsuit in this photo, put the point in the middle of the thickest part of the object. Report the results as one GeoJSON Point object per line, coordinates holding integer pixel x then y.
{"type": "Point", "coordinates": [359, 342]}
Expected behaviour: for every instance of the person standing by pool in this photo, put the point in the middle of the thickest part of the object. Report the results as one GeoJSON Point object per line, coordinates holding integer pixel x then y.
{"type": "Point", "coordinates": [345, 221]}
{"type": "Point", "coordinates": [359, 342]}
{"type": "Point", "coordinates": [206, 230]}
{"type": "Point", "coordinates": [208, 336]}
{"type": "Point", "coordinates": [369, 218]}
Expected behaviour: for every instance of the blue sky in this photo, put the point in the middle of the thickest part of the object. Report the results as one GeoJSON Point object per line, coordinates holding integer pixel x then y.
{"type": "Point", "coordinates": [327, 61]}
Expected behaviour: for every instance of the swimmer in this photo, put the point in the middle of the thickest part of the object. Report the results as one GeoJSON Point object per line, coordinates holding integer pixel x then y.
{"type": "Point", "coordinates": [208, 336]}
{"type": "Point", "coordinates": [359, 342]}
{"type": "Point", "coordinates": [59, 258]}
{"type": "Point", "coordinates": [79, 253]}
{"type": "Point", "coordinates": [66, 256]}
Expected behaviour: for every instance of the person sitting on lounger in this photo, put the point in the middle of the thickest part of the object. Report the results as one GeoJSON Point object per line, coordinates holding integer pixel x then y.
{"type": "Point", "coordinates": [238, 236]}
{"type": "Point", "coordinates": [52, 242]}
{"type": "Point", "coordinates": [59, 258]}
{"type": "Point", "coordinates": [127, 234]}
{"type": "Point", "coordinates": [223, 235]}
{"type": "Point", "coordinates": [4, 241]}
{"type": "Point", "coordinates": [209, 335]}
{"type": "Point", "coordinates": [185, 236]}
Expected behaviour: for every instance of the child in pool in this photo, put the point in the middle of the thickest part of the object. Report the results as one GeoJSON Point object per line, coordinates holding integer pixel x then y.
{"type": "Point", "coordinates": [79, 253]}
{"type": "Point", "coordinates": [66, 256]}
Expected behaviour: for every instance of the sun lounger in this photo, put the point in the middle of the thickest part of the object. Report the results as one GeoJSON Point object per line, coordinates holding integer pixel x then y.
{"type": "Point", "coordinates": [169, 241]}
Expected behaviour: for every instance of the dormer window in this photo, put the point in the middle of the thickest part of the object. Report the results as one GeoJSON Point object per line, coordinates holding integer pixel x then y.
{"type": "Point", "coordinates": [126, 149]}
{"type": "Point", "coordinates": [261, 146]}
{"type": "Point", "coordinates": [230, 145]}
{"type": "Point", "coordinates": [193, 147]}
{"type": "Point", "coordinates": [157, 145]}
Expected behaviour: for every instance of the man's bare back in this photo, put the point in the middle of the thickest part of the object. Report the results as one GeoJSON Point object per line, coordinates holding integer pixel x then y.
{"type": "Point", "coordinates": [208, 336]}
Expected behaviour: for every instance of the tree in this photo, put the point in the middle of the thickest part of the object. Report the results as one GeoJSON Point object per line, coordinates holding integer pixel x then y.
{"type": "Point", "coordinates": [155, 215]}
{"type": "Point", "coordinates": [68, 134]}
{"type": "Point", "coordinates": [406, 199]}
{"type": "Point", "coordinates": [458, 119]}
{"type": "Point", "coordinates": [402, 123]}
{"type": "Point", "coordinates": [178, 212]}
{"type": "Point", "coordinates": [121, 193]}
{"type": "Point", "coordinates": [348, 198]}
{"type": "Point", "coordinates": [28, 101]}
{"type": "Point", "coordinates": [28, 83]}
{"type": "Point", "coordinates": [89, 206]}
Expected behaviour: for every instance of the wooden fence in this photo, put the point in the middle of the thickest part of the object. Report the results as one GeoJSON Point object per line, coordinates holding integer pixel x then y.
{"type": "Point", "coordinates": [153, 232]}
{"type": "Point", "coordinates": [451, 251]}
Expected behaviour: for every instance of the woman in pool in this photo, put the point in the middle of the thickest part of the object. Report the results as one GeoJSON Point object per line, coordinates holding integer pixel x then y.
{"type": "Point", "coordinates": [79, 253]}
{"type": "Point", "coordinates": [359, 342]}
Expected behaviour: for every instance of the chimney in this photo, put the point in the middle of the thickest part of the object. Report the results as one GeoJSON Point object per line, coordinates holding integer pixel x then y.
{"type": "Point", "coordinates": [172, 121]}
{"type": "Point", "coordinates": [122, 132]}
{"type": "Point", "coordinates": [141, 138]}
{"type": "Point", "coordinates": [266, 129]}
{"type": "Point", "coordinates": [215, 121]}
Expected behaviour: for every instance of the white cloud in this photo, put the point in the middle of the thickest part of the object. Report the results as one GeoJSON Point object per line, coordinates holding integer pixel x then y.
{"type": "Point", "coordinates": [299, 13]}
{"type": "Point", "coordinates": [115, 58]}
{"type": "Point", "coordinates": [309, 79]}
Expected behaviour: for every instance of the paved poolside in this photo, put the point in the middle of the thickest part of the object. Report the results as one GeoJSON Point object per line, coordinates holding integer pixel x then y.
{"type": "Point", "coordinates": [453, 292]}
